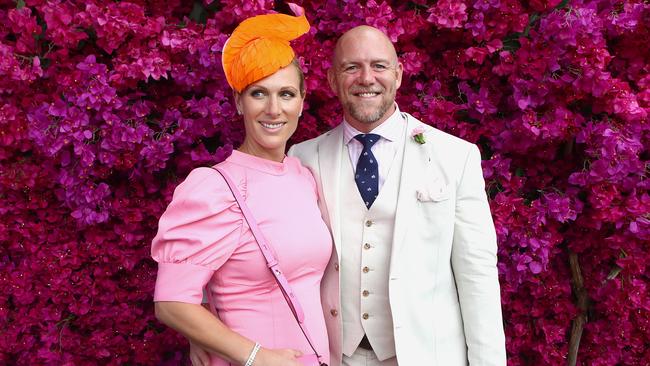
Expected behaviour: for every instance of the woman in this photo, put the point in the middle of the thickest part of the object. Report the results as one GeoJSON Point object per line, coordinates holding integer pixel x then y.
{"type": "Point", "coordinates": [203, 240]}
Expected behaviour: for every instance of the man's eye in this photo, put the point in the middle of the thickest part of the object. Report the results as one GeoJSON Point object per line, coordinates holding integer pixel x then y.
{"type": "Point", "coordinates": [350, 68]}
{"type": "Point", "coordinates": [380, 67]}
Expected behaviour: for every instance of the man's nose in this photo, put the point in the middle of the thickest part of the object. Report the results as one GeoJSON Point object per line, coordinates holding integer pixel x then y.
{"type": "Point", "coordinates": [366, 76]}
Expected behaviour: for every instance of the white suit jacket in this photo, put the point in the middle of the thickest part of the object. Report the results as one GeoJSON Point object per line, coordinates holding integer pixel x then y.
{"type": "Point", "coordinates": [443, 283]}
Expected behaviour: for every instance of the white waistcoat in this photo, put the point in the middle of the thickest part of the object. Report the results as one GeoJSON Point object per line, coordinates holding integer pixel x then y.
{"type": "Point", "coordinates": [367, 237]}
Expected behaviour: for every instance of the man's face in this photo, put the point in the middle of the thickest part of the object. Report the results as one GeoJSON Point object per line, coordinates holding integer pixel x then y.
{"type": "Point", "coordinates": [365, 76]}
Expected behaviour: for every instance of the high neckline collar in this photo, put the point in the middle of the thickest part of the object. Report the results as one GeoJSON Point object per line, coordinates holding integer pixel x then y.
{"type": "Point", "coordinates": [258, 163]}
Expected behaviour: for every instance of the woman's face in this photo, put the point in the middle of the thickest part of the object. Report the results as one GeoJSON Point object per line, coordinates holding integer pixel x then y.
{"type": "Point", "coordinates": [270, 108]}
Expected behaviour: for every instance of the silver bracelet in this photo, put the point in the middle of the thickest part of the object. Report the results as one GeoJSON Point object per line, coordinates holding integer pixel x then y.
{"type": "Point", "coordinates": [251, 357]}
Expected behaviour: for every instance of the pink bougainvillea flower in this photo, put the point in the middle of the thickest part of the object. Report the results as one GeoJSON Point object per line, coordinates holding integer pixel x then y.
{"type": "Point", "coordinates": [106, 106]}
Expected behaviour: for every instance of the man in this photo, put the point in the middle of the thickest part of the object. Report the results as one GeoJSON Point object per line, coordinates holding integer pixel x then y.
{"type": "Point", "coordinates": [414, 278]}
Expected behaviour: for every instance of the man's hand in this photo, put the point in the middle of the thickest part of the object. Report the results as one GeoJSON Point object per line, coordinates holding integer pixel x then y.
{"type": "Point", "coordinates": [198, 355]}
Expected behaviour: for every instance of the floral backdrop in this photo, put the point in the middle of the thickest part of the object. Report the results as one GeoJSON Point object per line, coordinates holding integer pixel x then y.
{"type": "Point", "coordinates": [105, 106]}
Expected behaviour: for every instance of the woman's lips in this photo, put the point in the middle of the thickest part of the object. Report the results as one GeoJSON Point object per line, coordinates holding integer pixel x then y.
{"type": "Point", "coordinates": [272, 125]}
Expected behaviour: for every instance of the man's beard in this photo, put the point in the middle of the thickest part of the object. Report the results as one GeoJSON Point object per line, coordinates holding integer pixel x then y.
{"type": "Point", "coordinates": [369, 118]}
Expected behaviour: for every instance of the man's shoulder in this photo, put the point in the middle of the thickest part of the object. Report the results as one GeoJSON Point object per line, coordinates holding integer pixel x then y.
{"type": "Point", "coordinates": [310, 146]}
{"type": "Point", "coordinates": [439, 137]}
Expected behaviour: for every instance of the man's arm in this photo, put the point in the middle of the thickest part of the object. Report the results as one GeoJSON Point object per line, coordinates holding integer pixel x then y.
{"type": "Point", "coordinates": [474, 259]}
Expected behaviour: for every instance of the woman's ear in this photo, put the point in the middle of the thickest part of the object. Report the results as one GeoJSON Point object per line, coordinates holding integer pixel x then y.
{"type": "Point", "coordinates": [238, 104]}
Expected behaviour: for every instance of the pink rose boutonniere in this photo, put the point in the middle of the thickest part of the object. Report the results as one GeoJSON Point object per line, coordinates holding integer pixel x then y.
{"type": "Point", "coordinates": [418, 135]}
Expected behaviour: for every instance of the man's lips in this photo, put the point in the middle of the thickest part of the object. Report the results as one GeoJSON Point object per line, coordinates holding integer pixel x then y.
{"type": "Point", "coordinates": [366, 94]}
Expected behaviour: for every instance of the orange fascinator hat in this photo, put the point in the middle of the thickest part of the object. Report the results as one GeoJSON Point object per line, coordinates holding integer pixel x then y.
{"type": "Point", "coordinates": [259, 46]}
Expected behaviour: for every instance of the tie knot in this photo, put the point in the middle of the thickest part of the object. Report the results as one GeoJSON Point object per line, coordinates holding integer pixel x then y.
{"type": "Point", "coordinates": [367, 139]}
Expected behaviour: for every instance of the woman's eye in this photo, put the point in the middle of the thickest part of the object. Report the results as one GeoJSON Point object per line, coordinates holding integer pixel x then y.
{"type": "Point", "coordinates": [287, 94]}
{"type": "Point", "coordinates": [257, 93]}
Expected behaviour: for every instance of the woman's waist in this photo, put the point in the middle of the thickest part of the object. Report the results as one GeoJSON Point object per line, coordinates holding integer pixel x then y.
{"type": "Point", "coordinates": [282, 331]}
{"type": "Point", "coordinates": [271, 307]}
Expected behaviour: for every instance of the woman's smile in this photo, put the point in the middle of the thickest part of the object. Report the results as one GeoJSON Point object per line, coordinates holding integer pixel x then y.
{"type": "Point", "coordinates": [272, 126]}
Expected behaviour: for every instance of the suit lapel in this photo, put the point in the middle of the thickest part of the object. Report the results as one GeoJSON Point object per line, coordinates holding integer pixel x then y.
{"type": "Point", "coordinates": [329, 164]}
{"type": "Point", "coordinates": [415, 159]}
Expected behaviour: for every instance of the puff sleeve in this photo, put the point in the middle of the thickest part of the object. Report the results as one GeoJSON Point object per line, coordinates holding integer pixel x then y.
{"type": "Point", "coordinates": [196, 234]}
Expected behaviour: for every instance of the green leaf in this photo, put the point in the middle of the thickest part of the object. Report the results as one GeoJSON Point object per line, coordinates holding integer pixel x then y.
{"type": "Point", "coordinates": [20, 4]}
{"type": "Point", "coordinates": [561, 5]}
{"type": "Point", "coordinates": [92, 34]}
{"type": "Point", "coordinates": [531, 22]}
{"type": "Point", "coordinates": [81, 44]}
{"type": "Point", "coordinates": [198, 13]}
{"type": "Point", "coordinates": [45, 62]}
{"type": "Point", "coordinates": [614, 272]}
{"type": "Point", "coordinates": [511, 42]}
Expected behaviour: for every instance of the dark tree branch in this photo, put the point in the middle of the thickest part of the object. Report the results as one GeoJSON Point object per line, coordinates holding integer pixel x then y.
{"type": "Point", "coordinates": [582, 301]}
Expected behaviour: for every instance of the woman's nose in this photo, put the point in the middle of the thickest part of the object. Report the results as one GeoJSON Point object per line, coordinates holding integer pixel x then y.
{"type": "Point", "coordinates": [273, 107]}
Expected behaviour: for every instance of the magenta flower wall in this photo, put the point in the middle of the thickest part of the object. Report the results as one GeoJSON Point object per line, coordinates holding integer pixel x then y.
{"type": "Point", "coordinates": [106, 106]}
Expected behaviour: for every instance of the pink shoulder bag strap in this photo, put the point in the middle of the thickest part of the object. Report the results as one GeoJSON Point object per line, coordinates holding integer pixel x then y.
{"type": "Point", "coordinates": [271, 262]}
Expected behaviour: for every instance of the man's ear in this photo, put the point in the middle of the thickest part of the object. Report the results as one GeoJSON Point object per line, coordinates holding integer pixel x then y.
{"type": "Point", "coordinates": [399, 70]}
{"type": "Point", "coordinates": [331, 79]}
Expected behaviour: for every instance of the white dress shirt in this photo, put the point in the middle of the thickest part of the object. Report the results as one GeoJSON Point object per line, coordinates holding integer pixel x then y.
{"type": "Point", "coordinates": [392, 136]}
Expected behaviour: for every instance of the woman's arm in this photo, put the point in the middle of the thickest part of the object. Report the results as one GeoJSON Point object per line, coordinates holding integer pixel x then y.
{"type": "Point", "coordinates": [198, 355]}
{"type": "Point", "coordinates": [201, 327]}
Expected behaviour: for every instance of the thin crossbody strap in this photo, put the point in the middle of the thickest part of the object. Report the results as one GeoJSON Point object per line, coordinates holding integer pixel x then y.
{"type": "Point", "coordinates": [271, 261]}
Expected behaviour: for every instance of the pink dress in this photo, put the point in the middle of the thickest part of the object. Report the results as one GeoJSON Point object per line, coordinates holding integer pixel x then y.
{"type": "Point", "coordinates": [203, 241]}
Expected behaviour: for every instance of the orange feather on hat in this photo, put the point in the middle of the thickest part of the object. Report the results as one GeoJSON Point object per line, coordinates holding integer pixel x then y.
{"type": "Point", "coordinates": [259, 47]}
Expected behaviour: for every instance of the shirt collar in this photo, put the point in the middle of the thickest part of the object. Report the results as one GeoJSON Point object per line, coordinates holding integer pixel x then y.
{"type": "Point", "coordinates": [391, 129]}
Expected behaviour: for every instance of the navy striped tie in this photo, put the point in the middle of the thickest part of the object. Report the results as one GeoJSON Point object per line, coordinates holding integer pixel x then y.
{"type": "Point", "coordinates": [367, 173]}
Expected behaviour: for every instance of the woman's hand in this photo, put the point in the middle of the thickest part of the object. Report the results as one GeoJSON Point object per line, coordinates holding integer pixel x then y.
{"type": "Point", "coordinates": [265, 357]}
{"type": "Point", "coordinates": [211, 335]}
{"type": "Point", "coordinates": [198, 355]}
{"type": "Point", "coordinates": [278, 357]}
